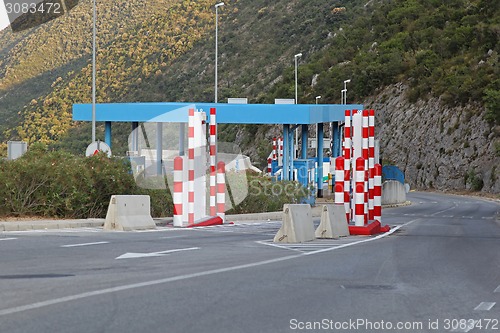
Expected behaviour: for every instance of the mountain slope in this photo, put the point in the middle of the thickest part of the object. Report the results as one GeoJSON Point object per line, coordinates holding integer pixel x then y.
{"type": "Point", "coordinates": [37, 64]}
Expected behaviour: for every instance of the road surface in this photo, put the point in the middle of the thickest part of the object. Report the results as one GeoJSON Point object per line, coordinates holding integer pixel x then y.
{"type": "Point", "coordinates": [439, 271]}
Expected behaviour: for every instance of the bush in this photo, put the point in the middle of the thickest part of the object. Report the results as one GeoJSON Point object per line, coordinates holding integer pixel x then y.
{"type": "Point", "coordinates": [492, 102]}
{"type": "Point", "coordinates": [57, 184]}
{"type": "Point", "coordinates": [474, 181]}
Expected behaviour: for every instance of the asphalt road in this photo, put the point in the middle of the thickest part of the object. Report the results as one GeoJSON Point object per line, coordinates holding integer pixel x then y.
{"type": "Point", "coordinates": [440, 266]}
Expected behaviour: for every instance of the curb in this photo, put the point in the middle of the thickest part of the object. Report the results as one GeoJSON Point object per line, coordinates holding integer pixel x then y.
{"type": "Point", "coordinates": [406, 203]}
{"type": "Point", "coordinates": [272, 216]}
{"type": "Point", "coordinates": [50, 224]}
{"type": "Point", "coordinates": [98, 223]}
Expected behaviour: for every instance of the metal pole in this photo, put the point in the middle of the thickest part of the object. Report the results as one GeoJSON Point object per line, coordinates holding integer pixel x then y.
{"type": "Point", "coordinates": [319, 153]}
{"type": "Point", "coordinates": [93, 68]}
{"type": "Point", "coordinates": [217, 45]}
{"type": "Point", "coordinates": [298, 55]}
{"type": "Point", "coordinates": [296, 79]}
{"type": "Point", "coordinates": [317, 98]}
{"type": "Point", "coordinates": [345, 90]}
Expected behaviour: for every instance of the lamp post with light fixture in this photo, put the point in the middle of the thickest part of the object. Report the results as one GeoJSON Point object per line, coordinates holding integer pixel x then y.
{"type": "Point", "coordinates": [344, 91]}
{"type": "Point", "coordinates": [220, 4]}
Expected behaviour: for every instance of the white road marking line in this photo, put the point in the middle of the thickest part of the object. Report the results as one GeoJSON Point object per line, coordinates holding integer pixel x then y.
{"type": "Point", "coordinates": [278, 246]}
{"type": "Point", "coordinates": [171, 237]}
{"type": "Point", "coordinates": [497, 290]}
{"type": "Point", "coordinates": [3, 239]}
{"type": "Point", "coordinates": [393, 230]}
{"type": "Point", "coordinates": [70, 298]}
{"type": "Point", "coordinates": [485, 306]}
{"type": "Point", "coordinates": [84, 244]}
{"type": "Point", "coordinates": [444, 210]}
{"type": "Point", "coordinates": [132, 255]}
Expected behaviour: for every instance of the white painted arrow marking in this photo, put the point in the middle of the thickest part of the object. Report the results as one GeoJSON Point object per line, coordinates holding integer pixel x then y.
{"type": "Point", "coordinates": [132, 255]}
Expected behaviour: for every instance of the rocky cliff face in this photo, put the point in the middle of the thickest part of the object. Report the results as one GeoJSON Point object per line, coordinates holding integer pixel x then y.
{"type": "Point", "coordinates": [436, 146]}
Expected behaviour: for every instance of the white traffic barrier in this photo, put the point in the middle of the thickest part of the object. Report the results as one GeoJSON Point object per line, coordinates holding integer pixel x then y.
{"type": "Point", "coordinates": [393, 192]}
{"type": "Point", "coordinates": [297, 224]}
{"type": "Point", "coordinates": [333, 222]}
{"type": "Point", "coordinates": [129, 212]}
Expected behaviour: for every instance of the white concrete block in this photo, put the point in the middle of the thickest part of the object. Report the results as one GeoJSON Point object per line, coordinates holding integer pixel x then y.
{"type": "Point", "coordinates": [129, 212]}
{"type": "Point", "coordinates": [297, 224]}
{"type": "Point", "coordinates": [333, 222]}
{"type": "Point", "coordinates": [393, 192]}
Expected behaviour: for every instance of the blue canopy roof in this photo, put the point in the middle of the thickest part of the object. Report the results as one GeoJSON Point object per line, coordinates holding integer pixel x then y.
{"type": "Point", "coordinates": [226, 113]}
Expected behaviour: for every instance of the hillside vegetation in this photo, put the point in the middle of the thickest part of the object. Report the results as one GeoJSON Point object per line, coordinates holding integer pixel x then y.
{"type": "Point", "coordinates": [163, 51]}
{"type": "Point", "coordinates": [46, 69]}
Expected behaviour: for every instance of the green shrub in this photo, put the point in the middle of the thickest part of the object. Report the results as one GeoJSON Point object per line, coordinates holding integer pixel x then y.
{"type": "Point", "coordinates": [57, 184]}
{"type": "Point", "coordinates": [474, 181]}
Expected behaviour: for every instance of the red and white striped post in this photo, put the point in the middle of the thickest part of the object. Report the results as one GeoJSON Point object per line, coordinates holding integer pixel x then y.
{"type": "Point", "coordinates": [365, 155]}
{"type": "Point", "coordinates": [191, 165]}
{"type": "Point", "coordinates": [359, 199]}
{"type": "Point", "coordinates": [280, 151]}
{"type": "Point", "coordinates": [364, 132]}
{"type": "Point", "coordinates": [221, 190]}
{"type": "Point", "coordinates": [347, 163]}
{"type": "Point", "coordinates": [275, 158]}
{"type": "Point", "coordinates": [213, 162]}
{"type": "Point", "coordinates": [377, 193]}
{"type": "Point", "coordinates": [177, 196]}
{"type": "Point", "coordinates": [339, 180]}
{"type": "Point", "coordinates": [269, 165]}
{"type": "Point", "coordinates": [371, 162]}
{"type": "Point", "coordinates": [347, 137]}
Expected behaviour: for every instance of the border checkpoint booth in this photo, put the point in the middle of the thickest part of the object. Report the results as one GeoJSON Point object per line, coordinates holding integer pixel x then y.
{"type": "Point", "coordinates": [290, 116]}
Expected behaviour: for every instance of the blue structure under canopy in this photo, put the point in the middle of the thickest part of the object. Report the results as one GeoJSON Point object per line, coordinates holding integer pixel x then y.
{"type": "Point", "coordinates": [289, 115]}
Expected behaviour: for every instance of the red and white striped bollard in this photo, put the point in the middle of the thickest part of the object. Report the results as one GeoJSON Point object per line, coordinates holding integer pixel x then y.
{"type": "Point", "coordinates": [177, 195]}
{"type": "Point", "coordinates": [359, 198]}
{"type": "Point", "coordinates": [371, 162]}
{"type": "Point", "coordinates": [221, 191]}
{"type": "Point", "coordinates": [191, 165]}
{"type": "Point", "coordinates": [377, 193]}
{"type": "Point", "coordinates": [213, 162]}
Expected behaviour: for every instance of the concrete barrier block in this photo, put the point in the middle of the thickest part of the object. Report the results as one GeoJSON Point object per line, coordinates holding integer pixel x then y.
{"type": "Point", "coordinates": [297, 225]}
{"type": "Point", "coordinates": [393, 192]}
{"type": "Point", "coordinates": [333, 222]}
{"type": "Point", "coordinates": [129, 212]}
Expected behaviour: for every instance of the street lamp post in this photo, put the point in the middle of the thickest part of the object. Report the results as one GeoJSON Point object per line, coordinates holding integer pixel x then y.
{"type": "Point", "coordinates": [220, 4]}
{"type": "Point", "coordinates": [345, 90]}
{"type": "Point", "coordinates": [296, 57]}
{"type": "Point", "coordinates": [317, 99]}
{"type": "Point", "coordinates": [93, 68]}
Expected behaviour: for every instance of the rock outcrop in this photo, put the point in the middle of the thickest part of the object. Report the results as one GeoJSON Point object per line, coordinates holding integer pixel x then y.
{"type": "Point", "coordinates": [437, 146]}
